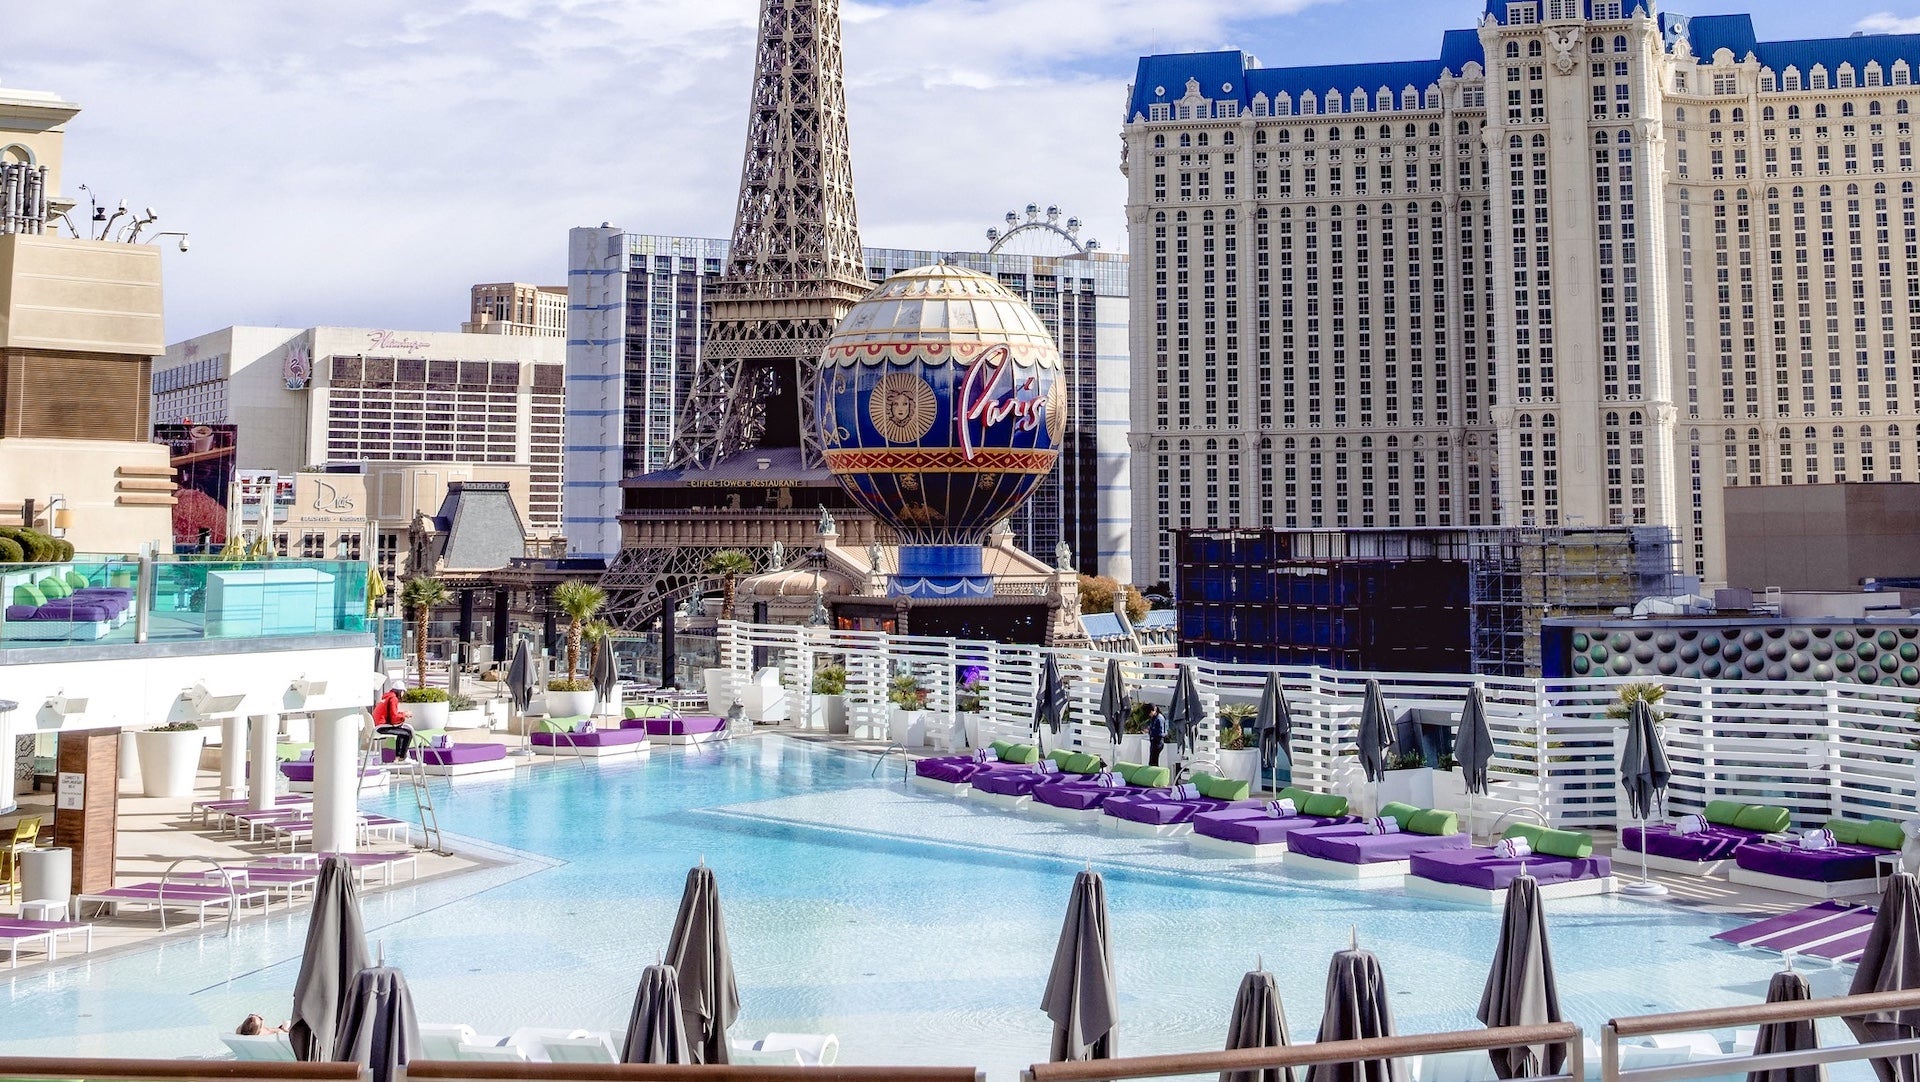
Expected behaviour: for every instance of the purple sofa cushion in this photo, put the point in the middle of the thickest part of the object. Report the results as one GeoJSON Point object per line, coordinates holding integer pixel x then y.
{"type": "Point", "coordinates": [1841, 863]}
{"type": "Point", "coordinates": [691, 725]}
{"type": "Point", "coordinates": [302, 770]}
{"type": "Point", "coordinates": [1351, 844]}
{"type": "Point", "coordinates": [1154, 808]}
{"type": "Point", "coordinates": [1020, 779]}
{"type": "Point", "coordinates": [71, 611]}
{"type": "Point", "coordinates": [955, 769]}
{"type": "Point", "coordinates": [20, 612]}
{"type": "Point", "coordinates": [463, 753]}
{"type": "Point", "coordinates": [1253, 826]}
{"type": "Point", "coordinates": [1078, 793]}
{"type": "Point", "coordinates": [1488, 870]}
{"type": "Point", "coordinates": [1713, 843]}
{"type": "Point", "coordinates": [598, 738]}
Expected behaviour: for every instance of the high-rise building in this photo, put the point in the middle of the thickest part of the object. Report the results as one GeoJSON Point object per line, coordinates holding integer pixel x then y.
{"type": "Point", "coordinates": [331, 395]}
{"type": "Point", "coordinates": [517, 308]}
{"type": "Point", "coordinates": [1587, 267]}
{"type": "Point", "coordinates": [650, 344]}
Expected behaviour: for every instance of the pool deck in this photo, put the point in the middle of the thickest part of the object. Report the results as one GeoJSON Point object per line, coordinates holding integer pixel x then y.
{"type": "Point", "coordinates": [155, 832]}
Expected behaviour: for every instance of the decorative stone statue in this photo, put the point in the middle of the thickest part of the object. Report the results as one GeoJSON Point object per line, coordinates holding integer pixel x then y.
{"type": "Point", "coordinates": [776, 556]}
{"type": "Point", "coordinates": [1063, 555]}
{"type": "Point", "coordinates": [828, 528]}
{"type": "Point", "coordinates": [873, 556]}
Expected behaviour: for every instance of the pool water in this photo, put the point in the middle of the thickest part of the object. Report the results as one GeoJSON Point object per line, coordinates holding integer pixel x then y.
{"type": "Point", "coordinates": [919, 929]}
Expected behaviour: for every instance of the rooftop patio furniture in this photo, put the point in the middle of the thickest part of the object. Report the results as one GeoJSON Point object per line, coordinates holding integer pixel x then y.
{"type": "Point", "coordinates": [259, 1047]}
{"type": "Point", "coordinates": [1354, 851]}
{"type": "Point", "coordinates": [788, 1050]}
{"type": "Point", "coordinates": [686, 729]}
{"type": "Point", "coordinates": [1562, 861]}
{"type": "Point", "coordinates": [1710, 850]}
{"type": "Point", "coordinates": [953, 774]}
{"type": "Point", "coordinates": [1170, 812]}
{"type": "Point", "coordinates": [593, 744]}
{"type": "Point", "coordinates": [1086, 803]}
{"type": "Point", "coordinates": [1014, 788]}
{"type": "Point", "coordinates": [45, 934]}
{"type": "Point", "coordinates": [155, 896]}
{"type": "Point", "coordinates": [1850, 866]}
{"type": "Point", "coordinates": [1254, 832]}
{"type": "Point", "coordinates": [217, 812]}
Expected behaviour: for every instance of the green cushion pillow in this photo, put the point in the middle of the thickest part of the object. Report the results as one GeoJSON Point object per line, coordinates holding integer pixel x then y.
{"type": "Point", "coordinates": [1018, 753]}
{"type": "Point", "coordinates": [1762, 818]}
{"type": "Point", "coordinates": [27, 594]}
{"type": "Point", "coordinates": [1061, 755]}
{"type": "Point", "coordinates": [1882, 834]}
{"type": "Point", "coordinates": [1082, 763]}
{"type": "Point", "coordinates": [1845, 831]}
{"type": "Point", "coordinates": [1324, 805]}
{"type": "Point", "coordinates": [1222, 788]}
{"type": "Point", "coordinates": [1530, 831]}
{"type": "Point", "coordinates": [1298, 796]}
{"type": "Point", "coordinates": [54, 588]}
{"type": "Point", "coordinates": [1723, 812]}
{"type": "Point", "coordinates": [1146, 777]}
{"type": "Point", "coordinates": [1427, 821]}
{"type": "Point", "coordinates": [75, 579]}
{"type": "Point", "coordinates": [645, 710]}
{"type": "Point", "coordinates": [1399, 813]}
{"type": "Point", "coordinates": [551, 725]}
{"type": "Point", "coordinates": [1564, 843]}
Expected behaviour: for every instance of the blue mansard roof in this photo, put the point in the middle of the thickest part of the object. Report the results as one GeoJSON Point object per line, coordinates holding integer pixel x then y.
{"type": "Point", "coordinates": [1707, 34]}
{"type": "Point", "coordinates": [1232, 76]}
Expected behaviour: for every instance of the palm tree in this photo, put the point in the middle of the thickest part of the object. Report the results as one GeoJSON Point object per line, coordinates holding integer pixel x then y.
{"type": "Point", "coordinates": [598, 633]}
{"type": "Point", "coordinates": [729, 564]}
{"type": "Point", "coordinates": [418, 598]}
{"type": "Point", "coordinates": [579, 600]}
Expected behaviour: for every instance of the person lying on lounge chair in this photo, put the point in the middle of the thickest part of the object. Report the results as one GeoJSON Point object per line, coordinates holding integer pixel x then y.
{"type": "Point", "coordinates": [254, 1026]}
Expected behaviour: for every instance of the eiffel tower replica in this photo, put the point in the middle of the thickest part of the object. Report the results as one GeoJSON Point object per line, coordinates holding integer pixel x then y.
{"type": "Point", "coordinates": [746, 438]}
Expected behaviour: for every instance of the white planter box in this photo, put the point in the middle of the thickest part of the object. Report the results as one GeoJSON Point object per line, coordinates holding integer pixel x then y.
{"type": "Point", "coordinates": [168, 761]}
{"type": "Point", "coordinates": [720, 685]}
{"type": "Point", "coordinates": [46, 875]}
{"type": "Point", "coordinates": [1413, 787]}
{"type": "Point", "coordinates": [1133, 748]}
{"type": "Point", "coordinates": [1243, 765]}
{"type": "Point", "coordinates": [907, 727]}
{"type": "Point", "coordinates": [1449, 790]}
{"type": "Point", "coordinates": [970, 720]}
{"type": "Point", "coordinates": [827, 713]}
{"type": "Point", "coordinates": [427, 715]}
{"type": "Point", "coordinates": [569, 704]}
{"type": "Point", "coordinates": [466, 719]}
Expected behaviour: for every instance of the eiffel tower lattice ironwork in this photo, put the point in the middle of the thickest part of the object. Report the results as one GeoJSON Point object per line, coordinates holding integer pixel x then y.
{"type": "Point", "coordinates": [795, 266]}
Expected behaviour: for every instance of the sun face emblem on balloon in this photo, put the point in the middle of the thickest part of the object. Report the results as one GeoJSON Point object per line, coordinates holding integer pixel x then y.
{"type": "Point", "coordinates": [902, 407]}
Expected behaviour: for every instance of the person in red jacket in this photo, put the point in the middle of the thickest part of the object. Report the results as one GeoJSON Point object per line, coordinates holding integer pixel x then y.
{"type": "Point", "coordinates": [390, 720]}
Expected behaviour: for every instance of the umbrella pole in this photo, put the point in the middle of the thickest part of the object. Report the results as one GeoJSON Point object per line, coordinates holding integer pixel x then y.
{"type": "Point", "coordinates": [1646, 887]}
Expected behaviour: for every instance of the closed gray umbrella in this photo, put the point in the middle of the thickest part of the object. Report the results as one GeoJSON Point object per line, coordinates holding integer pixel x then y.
{"type": "Point", "coordinates": [1356, 1008]}
{"type": "Point", "coordinates": [1274, 724]}
{"type": "Point", "coordinates": [698, 952]}
{"type": "Point", "coordinates": [1259, 1020]}
{"type": "Point", "coordinates": [1376, 732]}
{"type": "Point", "coordinates": [520, 677]}
{"type": "Point", "coordinates": [1643, 762]}
{"type": "Point", "coordinates": [1184, 712]}
{"type": "Point", "coordinates": [657, 1033]}
{"type": "Point", "coordinates": [602, 673]}
{"type": "Point", "coordinates": [1080, 995]}
{"type": "Point", "coordinates": [1520, 989]}
{"type": "Point", "coordinates": [1050, 705]}
{"type": "Point", "coordinates": [1113, 700]}
{"type": "Point", "coordinates": [1891, 963]}
{"type": "Point", "coordinates": [378, 1029]}
{"type": "Point", "coordinates": [1787, 987]}
{"type": "Point", "coordinates": [1473, 748]}
{"type": "Point", "coordinates": [335, 953]}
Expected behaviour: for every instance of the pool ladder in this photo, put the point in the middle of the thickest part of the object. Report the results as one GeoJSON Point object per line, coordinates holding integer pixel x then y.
{"type": "Point", "coordinates": [415, 773]}
{"type": "Point", "coordinates": [906, 763]}
{"type": "Point", "coordinates": [226, 881]}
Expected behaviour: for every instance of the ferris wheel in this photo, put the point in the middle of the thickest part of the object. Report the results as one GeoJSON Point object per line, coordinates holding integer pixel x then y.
{"type": "Point", "coordinates": [1039, 234]}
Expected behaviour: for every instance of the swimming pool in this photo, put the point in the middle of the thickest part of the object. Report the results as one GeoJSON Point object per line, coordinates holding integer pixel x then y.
{"type": "Point", "coordinates": [919, 929]}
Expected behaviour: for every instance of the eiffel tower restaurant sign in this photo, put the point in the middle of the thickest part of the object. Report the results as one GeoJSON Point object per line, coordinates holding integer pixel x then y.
{"type": "Point", "coordinates": [941, 406]}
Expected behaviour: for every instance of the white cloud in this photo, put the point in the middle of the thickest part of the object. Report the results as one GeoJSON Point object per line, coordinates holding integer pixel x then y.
{"type": "Point", "coordinates": [362, 162]}
{"type": "Point", "coordinates": [1888, 23]}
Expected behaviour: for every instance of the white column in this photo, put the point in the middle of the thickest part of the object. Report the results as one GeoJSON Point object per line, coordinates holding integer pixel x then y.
{"type": "Point", "coordinates": [233, 757]}
{"type": "Point", "coordinates": [8, 763]}
{"type": "Point", "coordinates": [261, 761]}
{"type": "Point", "coordinates": [336, 737]}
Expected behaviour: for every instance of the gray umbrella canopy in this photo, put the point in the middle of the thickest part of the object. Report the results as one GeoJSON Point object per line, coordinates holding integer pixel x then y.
{"type": "Point", "coordinates": [1891, 963]}
{"type": "Point", "coordinates": [1376, 732]}
{"type": "Point", "coordinates": [1356, 1008]}
{"type": "Point", "coordinates": [1050, 704]}
{"type": "Point", "coordinates": [1259, 1020]}
{"type": "Point", "coordinates": [520, 677]}
{"type": "Point", "coordinates": [1273, 723]}
{"type": "Point", "coordinates": [1114, 700]}
{"type": "Point", "coordinates": [657, 1032]}
{"type": "Point", "coordinates": [1787, 987]}
{"type": "Point", "coordinates": [1080, 995]}
{"type": "Point", "coordinates": [698, 952]}
{"type": "Point", "coordinates": [1643, 762]}
{"type": "Point", "coordinates": [1473, 747]}
{"type": "Point", "coordinates": [1184, 712]}
{"type": "Point", "coordinates": [335, 954]}
{"type": "Point", "coordinates": [1520, 989]}
{"type": "Point", "coordinates": [602, 672]}
{"type": "Point", "coordinates": [378, 1029]}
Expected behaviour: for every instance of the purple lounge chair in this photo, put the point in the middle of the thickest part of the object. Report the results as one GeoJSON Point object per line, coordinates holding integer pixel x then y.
{"type": "Point", "coordinates": [1248, 830]}
{"type": "Point", "coordinates": [1816, 873]}
{"type": "Point", "coordinates": [597, 743]}
{"type": "Point", "coordinates": [1347, 849]}
{"type": "Point", "coordinates": [959, 769]}
{"type": "Point", "coordinates": [1155, 812]}
{"type": "Point", "coordinates": [1019, 782]}
{"type": "Point", "coordinates": [689, 729]}
{"type": "Point", "coordinates": [1703, 851]}
{"type": "Point", "coordinates": [1078, 793]}
{"type": "Point", "coordinates": [1484, 874]}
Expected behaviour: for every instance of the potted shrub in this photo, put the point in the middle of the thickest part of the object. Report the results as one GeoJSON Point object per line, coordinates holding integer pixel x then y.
{"type": "Point", "coordinates": [1239, 755]}
{"type": "Point", "coordinates": [428, 707]}
{"type": "Point", "coordinates": [169, 756]}
{"type": "Point", "coordinates": [1408, 779]}
{"type": "Point", "coordinates": [970, 699]}
{"type": "Point", "coordinates": [419, 597]}
{"type": "Point", "coordinates": [463, 712]}
{"type": "Point", "coordinates": [827, 709]}
{"type": "Point", "coordinates": [569, 697]}
{"type": "Point", "coordinates": [907, 724]}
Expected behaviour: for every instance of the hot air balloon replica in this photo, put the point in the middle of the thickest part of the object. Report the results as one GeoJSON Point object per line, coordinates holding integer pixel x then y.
{"type": "Point", "coordinates": [941, 406]}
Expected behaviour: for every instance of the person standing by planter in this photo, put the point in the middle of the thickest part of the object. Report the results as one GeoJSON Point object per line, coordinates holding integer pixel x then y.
{"type": "Point", "coordinates": [390, 720]}
{"type": "Point", "coordinates": [1156, 734]}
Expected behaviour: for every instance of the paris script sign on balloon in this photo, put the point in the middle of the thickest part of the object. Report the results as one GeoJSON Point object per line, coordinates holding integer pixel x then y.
{"type": "Point", "coordinates": [994, 391]}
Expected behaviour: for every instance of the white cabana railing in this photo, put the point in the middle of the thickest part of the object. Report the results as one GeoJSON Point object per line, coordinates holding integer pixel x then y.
{"type": "Point", "coordinates": [1819, 749]}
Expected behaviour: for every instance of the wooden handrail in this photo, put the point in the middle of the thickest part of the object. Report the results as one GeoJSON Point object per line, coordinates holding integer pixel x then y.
{"type": "Point", "coordinates": [154, 1070]}
{"type": "Point", "coordinates": [1303, 1055]}
{"type": "Point", "coordinates": [1642, 1025]}
{"type": "Point", "coordinates": [451, 1070]}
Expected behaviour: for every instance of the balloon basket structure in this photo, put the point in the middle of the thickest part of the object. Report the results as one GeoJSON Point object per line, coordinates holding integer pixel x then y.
{"type": "Point", "coordinates": [941, 571]}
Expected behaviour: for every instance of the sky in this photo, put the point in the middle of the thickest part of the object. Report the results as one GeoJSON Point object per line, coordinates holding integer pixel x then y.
{"type": "Point", "coordinates": [362, 162]}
